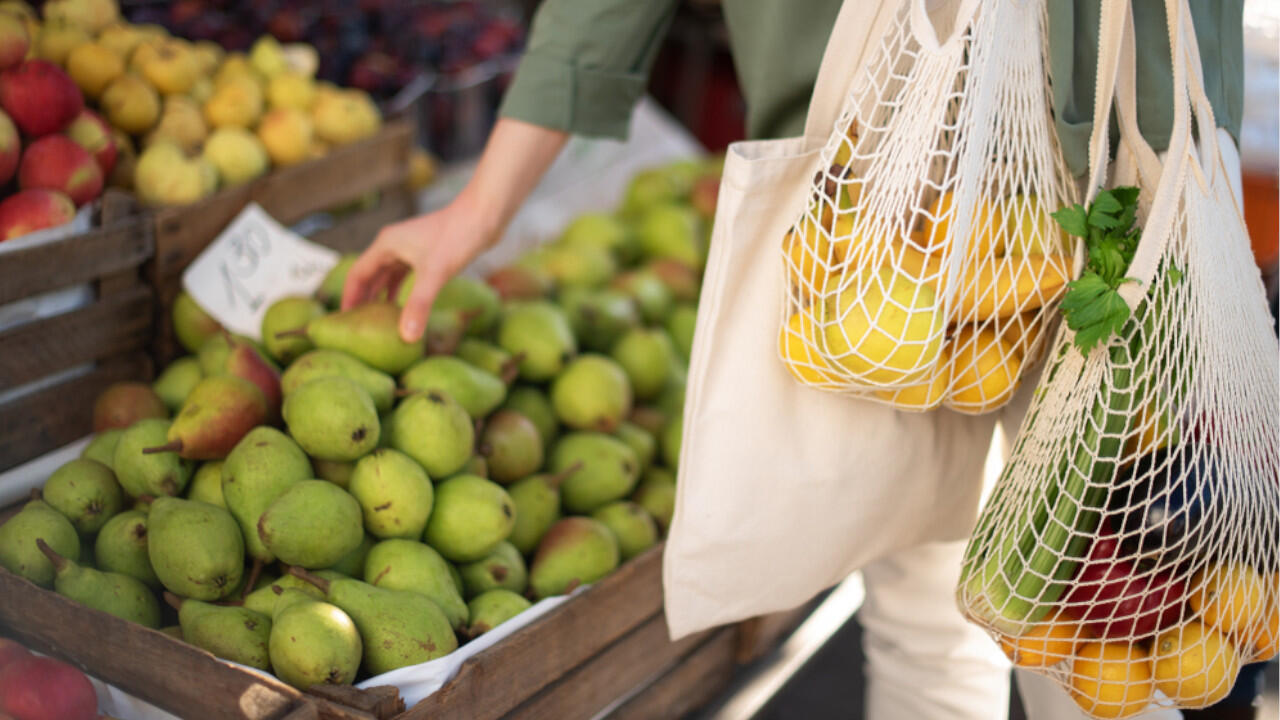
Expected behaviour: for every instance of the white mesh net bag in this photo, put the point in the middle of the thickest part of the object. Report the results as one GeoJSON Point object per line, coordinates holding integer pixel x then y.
{"type": "Point", "coordinates": [1130, 547]}
{"type": "Point", "coordinates": [924, 268]}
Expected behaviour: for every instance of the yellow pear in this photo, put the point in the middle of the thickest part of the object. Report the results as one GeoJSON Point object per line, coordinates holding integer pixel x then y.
{"type": "Point", "coordinates": [93, 66]}
{"type": "Point", "coordinates": [235, 66]}
{"type": "Point", "coordinates": [181, 123]}
{"type": "Point", "coordinates": [130, 104]}
{"type": "Point", "coordinates": [289, 89]}
{"type": "Point", "coordinates": [91, 15]}
{"type": "Point", "coordinates": [164, 176]}
{"type": "Point", "coordinates": [885, 327]}
{"type": "Point", "coordinates": [345, 117]}
{"type": "Point", "coordinates": [267, 57]}
{"type": "Point", "coordinates": [174, 67]}
{"type": "Point", "coordinates": [1002, 287]}
{"type": "Point", "coordinates": [209, 55]}
{"type": "Point", "coordinates": [18, 8]}
{"type": "Point", "coordinates": [287, 135]}
{"type": "Point", "coordinates": [984, 370]}
{"type": "Point", "coordinates": [144, 52]}
{"type": "Point", "coordinates": [123, 38]}
{"type": "Point", "coordinates": [235, 103]}
{"type": "Point", "coordinates": [237, 154]}
{"type": "Point", "coordinates": [202, 90]}
{"type": "Point", "coordinates": [56, 40]}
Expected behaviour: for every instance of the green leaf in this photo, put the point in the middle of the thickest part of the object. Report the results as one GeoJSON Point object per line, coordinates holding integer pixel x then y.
{"type": "Point", "coordinates": [1175, 275]}
{"type": "Point", "coordinates": [1126, 194]}
{"type": "Point", "coordinates": [1094, 310]}
{"type": "Point", "coordinates": [1105, 204]}
{"type": "Point", "coordinates": [1073, 220]}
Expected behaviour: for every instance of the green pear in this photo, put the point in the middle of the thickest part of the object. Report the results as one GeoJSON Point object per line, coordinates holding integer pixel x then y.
{"type": "Point", "coordinates": [352, 564]}
{"type": "Point", "coordinates": [630, 524]}
{"type": "Point", "coordinates": [121, 547]}
{"type": "Point", "coordinates": [575, 551]}
{"type": "Point", "coordinates": [191, 323]}
{"type": "Point", "coordinates": [680, 325]}
{"type": "Point", "coordinates": [215, 352]}
{"type": "Point", "coordinates": [433, 429]}
{"type": "Point", "coordinates": [600, 230]}
{"type": "Point", "coordinates": [640, 440]}
{"type": "Point", "coordinates": [263, 600]}
{"type": "Point", "coordinates": [489, 358]}
{"type": "Point", "coordinates": [86, 492]}
{"type": "Point", "coordinates": [534, 404]}
{"type": "Point", "coordinates": [599, 317]}
{"type": "Point", "coordinates": [332, 418]}
{"type": "Point", "coordinates": [196, 549]}
{"type": "Point", "coordinates": [176, 382]}
{"type": "Point", "coordinates": [19, 553]}
{"type": "Point", "coordinates": [466, 294]}
{"type": "Point", "coordinates": [670, 442]}
{"type": "Point", "coordinates": [288, 526]}
{"type": "Point", "coordinates": [399, 564]}
{"type": "Point", "coordinates": [326, 363]}
{"type": "Point", "coordinates": [471, 516]}
{"type": "Point", "coordinates": [313, 642]}
{"type": "Point", "coordinates": [370, 333]}
{"type": "Point", "coordinates": [220, 410]}
{"type": "Point", "coordinates": [398, 627]}
{"type": "Point", "coordinates": [142, 473]}
{"type": "Point", "coordinates": [330, 290]}
{"type": "Point", "coordinates": [648, 359]}
{"type": "Point", "coordinates": [476, 390]}
{"type": "Point", "coordinates": [656, 493]}
{"type": "Point", "coordinates": [237, 634]}
{"type": "Point", "coordinates": [580, 265]}
{"type": "Point", "coordinates": [609, 470]}
{"type": "Point", "coordinates": [511, 446]}
{"type": "Point", "coordinates": [652, 187]}
{"type": "Point", "coordinates": [261, 467]}
{"type": "Point", "coordinates": [206, 484]}
{"type": "Point", "coordinates": [339, 472]}
{"type": "Point", "coordinates": [539, 332]}
{"type": "Point", "coordinates": [112, 593]}
{"type": "Point", "coordinates": [537, 501]}
{"type": "Point", "coordinates": [103, 447]}
{"type": "Point", "coordinates": [673, 231]}
{"type": "Point", "coordinates": [652, 297]}
{"type": "Point", "coordinates": [394, 493]}
{"type": "Point", "coordinates": [503, 568]}
{"type": "Point", "coordinates": [490, 609]}
{"type": "Point", "coordinates": [284, 314]}
{"type": "Point", "coordinates": [592, 394]}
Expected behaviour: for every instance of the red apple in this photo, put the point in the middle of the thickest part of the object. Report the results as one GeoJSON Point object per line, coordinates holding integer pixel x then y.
{"type": "Point", "coordinates": [40, 688]}
{"type": "Point", "coordinates": [93, 133]}
{"type": "Point", "coordinates": [11, 651]}
{"type": "Point", "coordinates": [14, 40]}
{"type": "Point", "coordinates": [10, 148]}
{"type": "Point", "coordinates": [40, 97]}
{"type": "Point", "coordinates": [32, 210]}
{"type": "Point", "coordinates": [56, 162]}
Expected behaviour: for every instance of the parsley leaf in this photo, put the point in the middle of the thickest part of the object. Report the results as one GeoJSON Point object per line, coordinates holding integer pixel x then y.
{"type": "Point", "coordinates": [1073, 220]}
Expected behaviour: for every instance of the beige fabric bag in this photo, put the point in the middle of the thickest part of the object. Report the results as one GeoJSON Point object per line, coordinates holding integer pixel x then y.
{"type": "Point", "coordinates": [784, 490]}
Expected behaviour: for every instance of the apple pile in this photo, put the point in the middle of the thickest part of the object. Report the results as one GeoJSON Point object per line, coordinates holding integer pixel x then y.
{"type": "Point", "coordinates": [41, 688]}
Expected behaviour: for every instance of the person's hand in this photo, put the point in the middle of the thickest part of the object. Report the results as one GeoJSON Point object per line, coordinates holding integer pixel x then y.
{"type": "Point", "coordinates": [434, 246]}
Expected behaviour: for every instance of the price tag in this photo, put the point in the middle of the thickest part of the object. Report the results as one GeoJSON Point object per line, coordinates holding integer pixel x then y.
{"type": "Point", "coordinates": [251, 264]}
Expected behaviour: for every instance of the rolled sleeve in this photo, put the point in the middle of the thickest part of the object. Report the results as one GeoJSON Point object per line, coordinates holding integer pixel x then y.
{"type": "Point", "coordinates": [587, 64]}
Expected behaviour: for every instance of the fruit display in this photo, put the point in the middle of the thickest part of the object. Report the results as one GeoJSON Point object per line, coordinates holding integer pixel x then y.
{"type": "Point", "coordinates": [1131, 568]}
{"type": "Point", "coordinates": [34, 687]}
{"type": "Point", "coordinates": [335, 503]}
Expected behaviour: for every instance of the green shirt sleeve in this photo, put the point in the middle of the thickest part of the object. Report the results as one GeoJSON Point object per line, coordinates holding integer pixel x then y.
{"type": "Point", "coordinates": [587, 64]}
{"type": "Point", "coordinates": [1073, 50]}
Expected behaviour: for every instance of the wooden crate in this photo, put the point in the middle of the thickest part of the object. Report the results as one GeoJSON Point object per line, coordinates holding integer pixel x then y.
{"type": "Point", "coordinates": [348, 173]}
{"type": "Point", "coordinates": [111, 332]}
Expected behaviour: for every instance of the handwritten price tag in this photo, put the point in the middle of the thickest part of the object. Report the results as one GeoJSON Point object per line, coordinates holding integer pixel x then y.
{"type": "Point", "coordinates": [251, 264]}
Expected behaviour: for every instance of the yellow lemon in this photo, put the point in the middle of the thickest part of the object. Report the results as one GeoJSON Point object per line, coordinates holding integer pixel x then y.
{"type": "Point", "coordinates": [1230, 597]}
{"type": "Point", "coordinates": [1267, 638]}
{"type": "Point", "coordinates": [994, 287]}
{"type": "Point", "coordinates": [984, 370]}
{"type": "Point", "coordinates": [795, 344]}
{"type": "Point", "coordinates": [809, 258]}
{"type": "Point", "coordinates": [986, 230]}
{"type": "Point", "coordinates": [1111, 679]}
{"type": "Point", "coordinates": [885, 328]}
{"type": "Point", "coordinates": [1046, 643]}
{"type": "Point", "coordinates": [925, 395]}
{"type": "Point", "coordinates": [1196, 665]}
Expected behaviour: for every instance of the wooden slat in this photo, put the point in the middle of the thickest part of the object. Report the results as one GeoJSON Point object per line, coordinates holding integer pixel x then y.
{"type": "Point", "coordinates": [112, 326]}
{"type": "Point", "coordinates": [77, 259]}
{"type": "Point", "coordinates": [759, 635]}
{"type": "Point", "coordinates": [695, 681]}
{"type": "Point", "coordinates": [639, 657]}
{"type": "Point", "coordinates": [354, 233]}
{"type": "Point", "coordinates": [34, 424]}
{"type": "Point", "coordinates": [486, 685]}
{"type": "Point", "coordinates": [380, 702]}
{"type": "Point", "coordinates": [146, 663]}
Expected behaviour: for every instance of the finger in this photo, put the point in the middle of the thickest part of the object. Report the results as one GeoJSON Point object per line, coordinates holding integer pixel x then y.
{"type": "Point", "coordinates": [360, 278]}
{"type": "Point", "coordinates": [395, 282]}
{"type": "Point", "coordinates": [413, 318]}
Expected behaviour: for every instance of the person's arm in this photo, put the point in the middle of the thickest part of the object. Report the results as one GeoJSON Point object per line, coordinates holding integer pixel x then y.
{"type": "Point", "coordinates": [439, 244]}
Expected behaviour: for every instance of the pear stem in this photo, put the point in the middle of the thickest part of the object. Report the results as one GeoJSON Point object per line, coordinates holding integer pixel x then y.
{"type": "Point", "coordinates": [296, 332]}
{"type": "Point", "coordinates": [174, 446]}
{"type": "Point", "coordinates": [555, 480]}
{"type": "Point", "coordinates": [174, 601]}
{"type": "Point", "coordinates": [57, 560]}
{"type": "Point", "coordinates": [302, 574]}
{"type": "Point", "coordinates": [510, 369]}
{"type": "Point", "coordinates": [36, 494]}
{"type": "Point", "coordinates": [254, 572]}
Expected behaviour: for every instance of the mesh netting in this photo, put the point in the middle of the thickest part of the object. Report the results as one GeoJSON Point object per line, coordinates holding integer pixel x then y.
{"type": "Point", "coordinates": [924, 268]}
{"type": "Point", "coordinates": [1131, 548]}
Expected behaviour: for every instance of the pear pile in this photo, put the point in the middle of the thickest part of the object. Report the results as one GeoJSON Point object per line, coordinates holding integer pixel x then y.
{"type": "Point", "coordinates": [334, 503]}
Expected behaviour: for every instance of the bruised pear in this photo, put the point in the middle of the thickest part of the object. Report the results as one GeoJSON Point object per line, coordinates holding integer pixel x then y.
{"type": "Point", "coordinates": [237, 634]}
{"type": "Point", "coordinates": [537, 501]}
{"type": "Point", "coordinates": [149, 473]}
{"type": "Point", "coordinates": [608, 470]}
{"type": "Point", "coordinates": [476, 390]}
{"type": "Point", "coordinates": [332, 418]}
{"type": "Point", "coordinates": [112, 593]}
{"type": "Point", "coordinates": [502, 568]}
{"type": "Point", "coordinates": [399, 564]}
{"type": "Point", "coordinates": [511, 446]}
{"type": "Point", "coordinates": [575, 551]}
{"type": "Point", "coordinates": [632, 526]}
{"type": "Point", "coordinates": [491, 608]}
{"type": "Point", "coordinates": [394, 493]}
{"type": "Point", "coordinates": [86, 492]}
{"type": "Point", "coordinates": [287, 527]}
{"type": "Point", "coordinates": [196, 549]}
{"type": "Point", "coordinates": [433, 429]}
{"type": "Point", "coordinates": [121, 547]}
{"type": "Point", "coordinates": [19, 553]}
{"type": "Point", "coordinates": [470, 517]}
{"type": "Point", "coordinates": [261, 467]}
